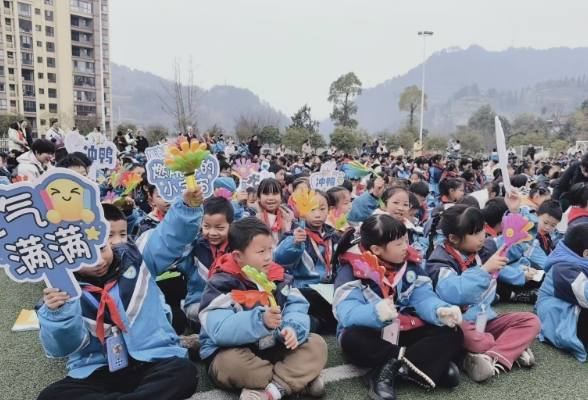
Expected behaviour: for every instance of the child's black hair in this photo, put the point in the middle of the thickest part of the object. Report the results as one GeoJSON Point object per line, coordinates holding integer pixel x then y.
{"type": "Point", "coordinates": [251, 190]}
{"type": "Point", "coordinates": [519, 181]}
{"type": "Point", "coordinates": [579, 195]}
{"type": "Point", "coordinates": [299, 181]}
{"type": "Point", "coordinates": [289, 179]}
{"type": "Point", "coordinates": [112, 213]}
{"type": "Point", "coordinates": [60, 154]}
{"type": "Point", "coordinates": [269, 186]}
{"type": "Point", "coordinates": [415, 204]}
{"type": "Point", "coordinates": [219, 205]}
{"type": "Point", "coordinates": [527, 165]}
{"type": "Point", "coordinates": [494, 188]}
{"type": "Point", "coordinates": [325, 195]}
{"type": "Point", "coordinates": [347, 185]}
{"type": "Point", "coordinates": [43, 146]}
{"type": "Point", "coordinates": [242, 232]}
{"type": "Point", "coordinates": [71, 161]}
{"type": "Point", "coordinates": [575, 238]}
{"type": "Point", "coordinates": [494, 211]}
{"type": "Point", "coordinates": [448, 184]}
{"type": "Point", "coordinates": [542, 191]}
{"type": "Point", "coordinates": [477, 164]}
{"type": "Point", "coordinates": [223, 165]}
{"type": "Point", "coordinates": [551, 208]}
{"type": "Point", "coordinates": [545, 170]}
{"type": "Point", "coordinates": [378, 230]}
{"type": "Point", "coordinates": [83, 157]}
{"type": "Point", "coordinates": [469, 201]}
{"type": "Point", "coordinates": [436, 158]}
{"type": "Point", "coordinates": [460, 221]}
{"type": "Point", "coordinates": [392, 191]}
{"type": "Point", "coordinates": [468, 176]}
{"type": "Point", "coordinates": [275, 168]}
{"type": "Point", "coordinates": [370, 184]}
{"type": "Point", "coordinates": [334, 194]}
{"type": "Point", "coordinates": [419, 188]}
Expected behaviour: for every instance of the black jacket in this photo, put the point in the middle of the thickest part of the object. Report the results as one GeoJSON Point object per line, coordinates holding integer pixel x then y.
{"type": "Point", "coordinates": [572, 176]}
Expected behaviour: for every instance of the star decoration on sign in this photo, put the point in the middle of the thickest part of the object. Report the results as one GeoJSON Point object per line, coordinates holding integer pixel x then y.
{"type": "Point", "coordinates": [92, 233]}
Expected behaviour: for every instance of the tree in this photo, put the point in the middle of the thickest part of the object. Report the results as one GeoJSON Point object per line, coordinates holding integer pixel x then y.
{"type": "Point", "coordinates": [526, 123]}
{"type": "Point", "coordinates": [317, 140]}
{"type": "Point", "coordinates": [536, 139]}
{"type": "Point", "coordinates": [250, 124]}
{"type": "Point", "coordinates": [410, 101]}
{"type": "Point", "coordinates": [364, 136]}
{"type": "Point", "coordinates": [302, 119]}
{"type": "Point", "coordinates": [482, 121]}
{"type": "Point", "coordinates": [154, 133]}
{"type": "Point", "coordinates": [6, 120]}
{"type": "Point", "coordinates": [387, 138]}
{"type": "Point", "coordinates": [270, 135]}
{"type": "Point", "coordinates": [471, 142]}
{"type": "Point", "coordinates": [404, 137]}
{"type": "Point", "coordinates": [294, 138]}
{"type": "Point", "coordinates": [346, 139]}
{"type": "Point", "coordinates": [215, 130]}
{"type": "Point", "coordinates": [182, 102]}
{"type": "Point", "coordinates": [435, 143]}
{"type": "Point", "coordinates": [87, 125]}
{"type": "Point", "coordinates": [124, 127]}
{"type": "Point", "coordinates": [559, 146]}
{"type": "Point", "coordinates": [341, 94]}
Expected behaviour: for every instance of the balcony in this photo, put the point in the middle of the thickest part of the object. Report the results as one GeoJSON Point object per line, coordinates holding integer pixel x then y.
{"type": "Point", "coordinates": [28, 93]}
{"type": "Point", "coordinates": [11, 78]}
{"type": "Point", "coordinates": [7, 11]}
{"type": "Point", "coordinates": [11, 61]}
{"type": "Point", "coordinates": [27, 62]}
{"type": "Point", "coordinates": [82, 10]}
{"type": "Point", "coordinates": [10, 45]}
{"type": "Point", "coordinates": [13, 110]}
{"type": "Point", "coordinates": [12, 93]}
{"type": "Point", "coordinates": [30, 109]}
{"type": "Point", "coordinates": [8, 28]}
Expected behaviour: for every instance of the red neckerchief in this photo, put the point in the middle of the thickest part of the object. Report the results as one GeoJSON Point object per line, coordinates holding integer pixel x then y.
{"type": "Point", "coordinates": [445, 199]}
{"type": "Point", "coordinates": [159, 215]}
{"type": "Point", "coordinates": [106, 300]}
{"type": "Point", "coordinates": [577, 212]}
{"type": "Point", "coordinates": [218, 252]}
{"type": "Point", "coordinates": [490, 231]}
{"type": "Point", "coordinates": [534, 202]}
{"type": "Point", "coordinates": [455, 254]}
{"type": "Point", "coordinates": [547, 244]}
{"type": "Point", "coordinates": [317, 239]}
{"type": "Point", "coordinates": [425, 216]}
{"type": "Point", "coordinates": [20, 136]}
{"type": "Point", "coordinates": [226, 263]}
{"type": "Point", "coordinates": [278, 224]}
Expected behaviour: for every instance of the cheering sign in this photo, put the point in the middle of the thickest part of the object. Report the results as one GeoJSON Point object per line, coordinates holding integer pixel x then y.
{"type": "Point", "coordinates": [170, 184]}
{"type": "Point", "coordinates": [50, 228]}
{"type": "Point", "coordinates": [256, 177]}
{"type": "Point", "coordinates": [159, 151]}
{"type": "Point", "coordinates": [328, 177]}
{"type": "Point", "coordinates": [97, 147]}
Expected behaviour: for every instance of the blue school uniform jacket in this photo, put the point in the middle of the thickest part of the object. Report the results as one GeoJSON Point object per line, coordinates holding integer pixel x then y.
{"type": "Point", "coordinates": [228, 322]}
{"type": "Point", "coordinates": [469, 288]}
{"type": "Point", "coordinates": [355, 299]}
{"type": "Point", "coordinates": [70, 331]}
{"type": "Point", "coordinates": [435, 173]}
{"type": "Point", "coordinates": [173, 244]}
{"type": "Point", "coordinates": [301, 260]}
{"type": "Point", "coordinates": [561, 297]}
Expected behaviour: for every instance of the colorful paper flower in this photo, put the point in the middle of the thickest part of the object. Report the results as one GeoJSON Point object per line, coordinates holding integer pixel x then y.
{"type": "Point", "coordinates": [260, 279]}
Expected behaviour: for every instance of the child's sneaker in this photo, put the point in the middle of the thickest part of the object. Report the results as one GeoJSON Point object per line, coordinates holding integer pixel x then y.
{"type": "Point", "coordinates": [316, 388]}
{"type": "Point", "coordinates": [480, 367]}
{"type": "Point", "coordinates": [527, 296]}
{"type": "Point", "coordinates": [248, 394]}
{"type": "Point", "coordinates": [526, 359]}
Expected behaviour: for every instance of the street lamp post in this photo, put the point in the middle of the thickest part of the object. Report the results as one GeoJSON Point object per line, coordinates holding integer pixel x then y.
{"type": "Point", "coordinates": [424, 34]}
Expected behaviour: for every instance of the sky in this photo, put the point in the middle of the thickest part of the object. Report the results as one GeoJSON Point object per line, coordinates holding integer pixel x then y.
{"type": "Point", "coordinates": [289, 52]}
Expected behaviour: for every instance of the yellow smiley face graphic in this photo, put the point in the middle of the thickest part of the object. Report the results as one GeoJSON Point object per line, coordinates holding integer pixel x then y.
{"type": "Point", "coordinates": [67, 200]}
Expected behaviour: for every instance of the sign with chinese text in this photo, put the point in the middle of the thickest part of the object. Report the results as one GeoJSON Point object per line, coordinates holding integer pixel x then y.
{"type": "Point", "coordinates": [328, 177]}
{"type": "Point", "coordinates": [97, 147]}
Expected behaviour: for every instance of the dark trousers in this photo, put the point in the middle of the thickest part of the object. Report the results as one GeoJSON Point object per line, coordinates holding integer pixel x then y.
{"type": "Point", "coordinates": [320, 311]}
{"type": "Point", "coordinates": [429, 348]}
{"type": "Point", "coordinates": [582, 330]}
{"type": "Point", "coordinates": [171, 379]}
{"type": "Point", "coordinates": [505, 290]}
{"type": "Point", "coordinates": [175, 290]}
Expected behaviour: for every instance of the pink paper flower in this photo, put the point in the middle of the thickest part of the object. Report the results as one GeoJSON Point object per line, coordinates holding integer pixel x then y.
{"type": "Point", "coordinates": [222, 192]}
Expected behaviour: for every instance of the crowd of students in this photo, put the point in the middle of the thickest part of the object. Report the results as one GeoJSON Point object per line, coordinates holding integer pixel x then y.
{"type": "Point", "coordinates": [172, 283]}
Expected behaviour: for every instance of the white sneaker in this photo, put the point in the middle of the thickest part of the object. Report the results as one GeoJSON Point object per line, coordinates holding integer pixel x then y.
{"type": "Point", "coordinates": [526, 359]}
{"type": "Point", "coordinates": [249, 394]}
{"type": "Point", "coordinates": [480, 367]}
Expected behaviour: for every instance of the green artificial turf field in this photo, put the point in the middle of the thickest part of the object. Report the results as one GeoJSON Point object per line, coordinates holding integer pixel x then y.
{"type": "Point", "coordinates": [25, 371]}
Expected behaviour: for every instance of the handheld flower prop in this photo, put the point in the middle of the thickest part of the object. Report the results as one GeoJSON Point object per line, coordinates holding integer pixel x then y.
{"type": "Point", "coordinates": [244, 169]}
{"type": "Point", "coordinates": [338, 219]}
{"type": "Point", "coordinates": [222, 192]}
{"type": "Point", "coordinates": [305, 201]}
{"type": "Point", "coordinates": [260, 278]}
{"type": "Point", "coordinates": [186, 157]}
{"type": "Point", "coordinates": [130, 181]}
{"type": "Point", "coordinates": [356, 170]}
{"type": "Point", "coordinates": [249, 298]}
{"type": "Point", "coordinates": [110, 197]}
{"type": "Point", "coordinates": [515, 230]}
{"type": "Point", "coordinates": [115, 179]}
{"type": "Point", "coordinates": [371, 269]}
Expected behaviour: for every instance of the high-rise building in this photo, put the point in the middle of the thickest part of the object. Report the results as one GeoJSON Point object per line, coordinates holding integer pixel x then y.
{"type": "Point", "coordinates": [55, 62]}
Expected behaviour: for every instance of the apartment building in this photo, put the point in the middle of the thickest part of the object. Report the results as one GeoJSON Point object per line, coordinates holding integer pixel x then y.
{"type": "Point", "coordinates": [55, 62]}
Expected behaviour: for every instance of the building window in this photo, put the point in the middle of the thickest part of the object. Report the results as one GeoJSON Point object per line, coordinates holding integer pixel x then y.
{"type": "Point", "coordinates": [49, 2]}
{"type": "Point", "coordinates": [83, 66]}
{"type": "Point", "coordinates": [38, 28]}
{"type": "Point", "coordinates": [1, 70]}
{"type": "Point", "coordinates": [84, 81]}
{"type": "Point", "coordinates": [32, 122]}
{"type": "Point", "coordinates": [84, 111]}
{"type": "Point", "coordinates": [28, 90]}
{"type": "Point", "coordinates": [25, 26]}
{"type": "Point", "coordinates": [3, 104]}
{"type": "Point", "coordinates": [26, 42]}
{"type": "Point", "coordinates": [53, 93]}
{"type": "Point", "coordinates": [41, 106]}
{"type": "Point", "coordinates": [39, 59]}
{"type": "Point", "coordinates": [106, 97]}
{"type": "Point", "coordinates": [104, 9]}
{"type": "Point", "coordinates": [43, 122]}
{"type": "Point", "coordinates": [2, 87]}
{"type": "Point", "coordinates": [27, 58]}
{"type": "Point", "coordinates": [48, 15]}
{"type": "Point", "coordinates": [1, 41]}
{"type": "Point", "coordinates": [40, 75]}
{"type": "Point", "coordinates": [80, 95]}
{"type": "Point", "coordinates": [81, 6]}
{"type": "Point", "coordinates": [81, 37]}
{"type": "Point", "coordinates": [1, 54]}
{"type": "Point", "coordinates": [49, 31]}
{"type": "Point", "coordinates": [51, 62]}
{"type": "Point", "coordinates": [82, 52]}
{"type": "Point", "coordinates": [39, 43]}
{"type": "Point", "coordinates": [52, 78]}
{"type": "Point", "coordinates": [104, 24]}
{"type": "Point", "coordinates": [37, 11]}
{"type": "Point", "coordinates": [107, 111]}
{"type": "Point", "coordinates": [52, 108]}
{"type": "Point", "coordinates": [104, 38]}
{"type": "Point", "coordinates": [105, 53]}
{"type": "Point", "coordinates": [106, 82]}
{"type": "Point", "coordinates": [105, 67]}
{"type": "Point", "coordinates": [28, 75]}
{"type": "Point", "coordinates": [24, 9]}
{"type": "Point", "coordinates": [41, 91]}
{"type": "Point", "coordinates": [51, 47]}
{"type": "Point", "coordinates": [30, 106]}
{"type": "Point", "coordinates": [107, 125]}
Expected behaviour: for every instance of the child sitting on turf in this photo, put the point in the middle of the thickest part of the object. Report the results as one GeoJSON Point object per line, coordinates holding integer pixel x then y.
{"type": "Point", "coordinates": [421, 191]}
{"type": "Point", "coordinates": [299, 184]}
{"type": "Point", "coordinates": [225, 179]}
{"type": "Point", "coordinates": [157, 365]}
{"type": "Point", "coordinates": [271, 210]}
{"type": "Point", "coordinates": [191, 253]}
{"type": "Point", "coordinates": [563, 298]}
{"type": "Point", "coordinates": [339, 199]}
{"type": "Point", "coordinates": [266, 351]}
{"type": "Point", "coordinates": [451, 191]}
{"type": "Point", "coordinates": [402, 305]}
{"type": "Point", "coordinates": [160, 208]}
{"type": "Point", "coordinates": [306, 255]}
{"type": "Point", "coordinates": [579, 204]}
{"type": "Point", "coordinates": [493, 212]}
{"type": "Point", "coordinates": [461, 269]}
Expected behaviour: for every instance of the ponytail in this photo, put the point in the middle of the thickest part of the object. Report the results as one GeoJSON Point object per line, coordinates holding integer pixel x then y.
{"type": "Point", "coordinates": [345, 243]}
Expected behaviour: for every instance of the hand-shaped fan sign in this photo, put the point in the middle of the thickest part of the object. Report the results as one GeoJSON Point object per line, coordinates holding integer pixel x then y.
{"type": "Point", "coordinates": [338, 218]}
{"type": "Point", "coordinates": [305, 201]}
{"type": "Point", "coordinates": [244, 169]}
{"type": "Point", "coordinates": [515, 230]}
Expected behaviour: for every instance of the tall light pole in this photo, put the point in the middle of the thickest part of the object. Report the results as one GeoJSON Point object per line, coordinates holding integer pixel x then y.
{"type": "Point", "coordinates": [424, 34]}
